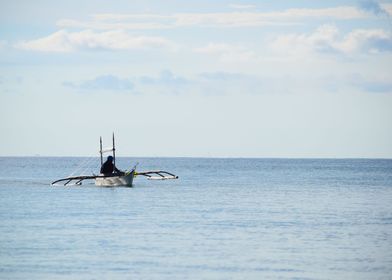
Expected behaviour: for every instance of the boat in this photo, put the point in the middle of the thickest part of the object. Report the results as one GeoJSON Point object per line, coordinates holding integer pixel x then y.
{"type": "Point", "coordinates": [117, 178]}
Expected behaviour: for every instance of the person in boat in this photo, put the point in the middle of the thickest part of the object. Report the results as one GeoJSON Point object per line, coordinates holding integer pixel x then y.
{"type": "Point", "coordinates": [108, 168]}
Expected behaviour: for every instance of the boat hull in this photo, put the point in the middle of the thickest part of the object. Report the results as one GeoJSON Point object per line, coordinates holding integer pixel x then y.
{"type": "Point", "coordinates": [114, 181]}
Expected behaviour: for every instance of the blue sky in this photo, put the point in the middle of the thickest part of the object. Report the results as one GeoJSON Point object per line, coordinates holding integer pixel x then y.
{"type": "Point", "coordinates": [197, 78]}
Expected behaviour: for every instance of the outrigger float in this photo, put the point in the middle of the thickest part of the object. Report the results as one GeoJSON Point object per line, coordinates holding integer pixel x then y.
{"type": "Point", "coordinates": [115, 179]}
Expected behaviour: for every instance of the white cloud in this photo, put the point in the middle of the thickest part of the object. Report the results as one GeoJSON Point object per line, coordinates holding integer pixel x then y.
{"type": "Point", "coordinates": [64, 41]}
{"type": "Point", "coordinates": [227, 52]}
{"type": "Point", "coordinates": [320, 40]}
{"type": "Point", "coordinates": [56, 42]}
{"type": "Point", "coordinates": [232, 19]}
{"type": "Point", "coordinates": [372, 41]}
{"type": "Point", "coordinates": [327, 39]}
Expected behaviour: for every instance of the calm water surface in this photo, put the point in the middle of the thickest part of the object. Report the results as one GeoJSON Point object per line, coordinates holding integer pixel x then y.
{"type": "Point", "coordinates": [223, 219]}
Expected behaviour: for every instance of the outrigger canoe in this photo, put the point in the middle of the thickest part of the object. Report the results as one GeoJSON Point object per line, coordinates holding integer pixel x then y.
{"type": "Point", "coordinates": [115, 179]}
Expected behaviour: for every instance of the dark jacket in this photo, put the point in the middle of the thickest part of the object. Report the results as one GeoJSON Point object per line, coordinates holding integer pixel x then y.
{"type": "Point", "coordinates": [108, 168]}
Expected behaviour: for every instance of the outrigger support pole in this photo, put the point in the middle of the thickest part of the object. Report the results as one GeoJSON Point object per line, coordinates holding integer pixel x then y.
{"type": "Point", "coordinates": [100, 148]}
{"type": "Point", "coordinates": [114, 152]}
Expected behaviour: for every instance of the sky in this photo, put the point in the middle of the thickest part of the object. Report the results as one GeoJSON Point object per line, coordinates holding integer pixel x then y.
{"type": "Point", "coordinates": [286, 79]}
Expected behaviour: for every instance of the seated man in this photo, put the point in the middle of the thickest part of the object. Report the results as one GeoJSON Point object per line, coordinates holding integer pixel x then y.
{"type": "Point", "coordinates": [108, 167]}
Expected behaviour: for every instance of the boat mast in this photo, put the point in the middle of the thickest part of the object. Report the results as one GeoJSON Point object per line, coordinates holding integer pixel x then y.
{"type": "Point", "coordinates": [100, 148]}
{"type": "Point", "coordinates": [114, 152]}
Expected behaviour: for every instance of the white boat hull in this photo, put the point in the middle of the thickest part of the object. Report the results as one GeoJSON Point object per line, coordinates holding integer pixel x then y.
{"type": "Point", "coordinates": [114, 181]}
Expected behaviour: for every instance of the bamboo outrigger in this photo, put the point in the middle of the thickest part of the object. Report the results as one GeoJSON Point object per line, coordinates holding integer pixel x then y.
{"type": "Point", "coordinates": [115, 179]}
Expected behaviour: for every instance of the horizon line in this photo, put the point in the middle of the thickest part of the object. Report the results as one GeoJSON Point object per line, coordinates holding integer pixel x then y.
{"type": "Point", "coordinates": [195, 157]}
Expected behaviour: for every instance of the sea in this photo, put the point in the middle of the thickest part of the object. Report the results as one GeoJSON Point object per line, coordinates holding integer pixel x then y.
{"type": "Point", "coordinates": [224, 218]}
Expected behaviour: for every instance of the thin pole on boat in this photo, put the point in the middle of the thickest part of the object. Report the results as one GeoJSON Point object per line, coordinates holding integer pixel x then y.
{"type": "Point", "coordinates": [100, 148]}
{"type": "Point", "coordinates": [114, 152]}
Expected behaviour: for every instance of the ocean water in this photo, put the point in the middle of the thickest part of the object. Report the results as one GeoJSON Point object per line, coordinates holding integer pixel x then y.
{"type": "Point", "coordinates": [222, 219]}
